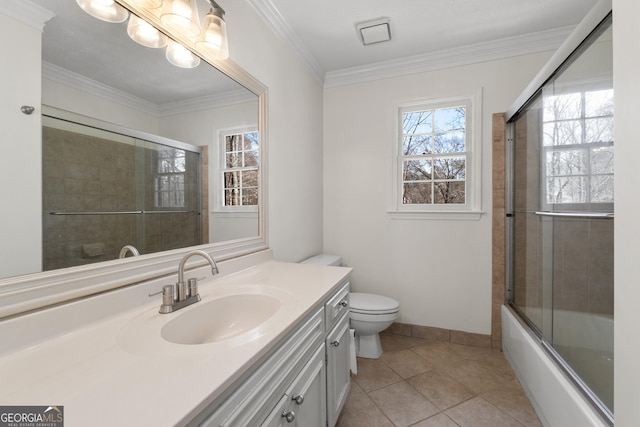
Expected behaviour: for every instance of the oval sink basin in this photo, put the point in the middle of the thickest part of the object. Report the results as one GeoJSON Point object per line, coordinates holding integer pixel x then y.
{"type": "Point", "coordinates": [221, 319]}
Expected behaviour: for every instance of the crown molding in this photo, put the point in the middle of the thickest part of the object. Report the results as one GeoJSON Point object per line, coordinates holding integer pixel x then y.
{"type": "Point", "coordinates": [26, 12]}
{"type": "Point", "coordinates": [224, 99]}
{"type": "Point", "coordinates": [466, 55]}
{"type": "Point", "coordinates": [69, 78]}
{"type": "Point", "coordinates": [274, 19]}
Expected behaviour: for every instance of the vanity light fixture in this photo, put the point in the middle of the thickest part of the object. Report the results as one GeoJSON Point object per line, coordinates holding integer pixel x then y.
{"type": "Point", "coordinates": [182, 16]}
{"type": "Point", "coordinates": [149, 4]}
{"type": "Point", "coordinates": [213, 38]}
{"type": "Point", "coordinates": [145, 34]}
{"type": "Point", "coordinates": [180, 56]}
{"type": "Point", "coordinates": [375, 31]}
{"type": "Point", "coordinates": [105, 10]}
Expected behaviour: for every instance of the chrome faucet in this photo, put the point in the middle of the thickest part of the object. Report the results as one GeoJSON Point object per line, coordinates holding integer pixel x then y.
{"type": "Point", "coordinates": [187, 293]}
{"type": "Point", "coordinates": [128, 248]}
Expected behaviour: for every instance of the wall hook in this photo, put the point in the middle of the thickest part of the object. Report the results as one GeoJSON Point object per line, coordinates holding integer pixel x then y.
{"type": "Point", "coordinates": [27, 109]}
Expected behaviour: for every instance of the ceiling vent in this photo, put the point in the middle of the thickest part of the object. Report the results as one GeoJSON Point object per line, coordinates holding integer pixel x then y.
{"type": "Point", "coordinates": [376, 31]}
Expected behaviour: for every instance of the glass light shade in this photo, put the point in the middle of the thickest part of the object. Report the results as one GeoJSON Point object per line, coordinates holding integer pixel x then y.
{"type": "Point", "coordinates": [180, 56]}
{"type": "Point", "coordinates": [144, 33]}
{"type": "Point", "coordinates": [105, 10]}
{"type": "Point", "coordinates": [149, 4]}
{"type": "Point", "coordinates": [213, 38]}
{"type": "Point", "coordinates": [182, 16]}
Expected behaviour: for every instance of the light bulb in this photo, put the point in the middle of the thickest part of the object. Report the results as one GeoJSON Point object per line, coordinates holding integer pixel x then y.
{"type": "Point", "coordinates": [105, 10]}
{"type": "Point", "coordinates": [213, 38]}
{"type": "Point", "coordinates": [144, 33]}
{"type": "Point", "coordinates": [182, 16]}
{"type": "Point", "coordinates": [180, 56]}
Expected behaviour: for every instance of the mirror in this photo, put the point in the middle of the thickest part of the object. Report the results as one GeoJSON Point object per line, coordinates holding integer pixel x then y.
{"type": "Point", "coordinates": [91, 67]}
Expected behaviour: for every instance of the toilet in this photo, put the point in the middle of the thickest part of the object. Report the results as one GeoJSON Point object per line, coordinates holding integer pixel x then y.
{"type": "Point", "coordinates": [370, 314]}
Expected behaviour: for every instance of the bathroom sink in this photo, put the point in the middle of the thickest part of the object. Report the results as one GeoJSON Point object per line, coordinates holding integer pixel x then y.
{"type": "Point", "coordinates": [221, 319]}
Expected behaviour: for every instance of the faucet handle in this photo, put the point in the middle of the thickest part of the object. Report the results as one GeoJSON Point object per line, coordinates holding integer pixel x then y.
{"type": "Point", "coordinates": [168, 294]}
{"type": "Point", "coordinates": [193, 286]}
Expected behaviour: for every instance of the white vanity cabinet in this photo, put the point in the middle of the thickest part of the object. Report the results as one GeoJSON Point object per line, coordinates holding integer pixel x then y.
{"type": "Point", "coordinates": [303, 383]}
{"type": "Point", "coordinates": [337, 346]}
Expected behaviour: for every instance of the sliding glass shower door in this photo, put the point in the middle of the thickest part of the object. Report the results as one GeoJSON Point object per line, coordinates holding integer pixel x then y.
{"type": "Point", "coordinates": [562, 215]}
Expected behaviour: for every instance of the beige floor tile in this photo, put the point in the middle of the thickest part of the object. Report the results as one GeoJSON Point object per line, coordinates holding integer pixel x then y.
{"type": "Point", "coordinates": [469, 352]}
{"type": "Point", "coordinates": [392, 342]}
{"type": "Point", "coordinates": [437, 354]}
{"type": "Point", "coordinates": [360, 411]}
{"type": "Point", "coordinates": [514, 404]}
{"type": "Point", "coordinates": [441, 389]}
{"type": "Point", "coordinates": [374, 374]}
{"type": "Point", "coordinates": [476, 377]}
{"type": "Point", "coordinates": [440, 420]}
{"type": "Point", "coordinates": [405, 363]}
{"type": "Point", "coordinates": [402, 404]}
{"type": "Point", "coordinates": [477, 412]}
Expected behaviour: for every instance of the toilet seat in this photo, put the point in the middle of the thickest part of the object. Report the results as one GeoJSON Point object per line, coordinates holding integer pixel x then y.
{"type": "Point", "coordinates": [372, 304]}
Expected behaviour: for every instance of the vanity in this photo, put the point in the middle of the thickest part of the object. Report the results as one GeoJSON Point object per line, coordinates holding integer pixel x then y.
{"type": "Point", "coordinates": [277, 355]}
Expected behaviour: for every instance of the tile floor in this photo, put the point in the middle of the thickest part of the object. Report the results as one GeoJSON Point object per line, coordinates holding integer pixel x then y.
{"type": "Point", "coordinates": [424, 383]}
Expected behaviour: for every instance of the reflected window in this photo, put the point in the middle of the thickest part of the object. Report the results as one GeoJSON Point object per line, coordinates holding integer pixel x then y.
{"type": "Point", "coordinates": [578, 147]}
{"type": "Point", "coordinates": [241, 152]}
{"type": "Point", "coordinates": [170, 177]}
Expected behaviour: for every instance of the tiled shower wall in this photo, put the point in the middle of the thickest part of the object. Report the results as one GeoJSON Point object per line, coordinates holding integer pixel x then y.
{"type": "Point", "coordinates": [87, 173]}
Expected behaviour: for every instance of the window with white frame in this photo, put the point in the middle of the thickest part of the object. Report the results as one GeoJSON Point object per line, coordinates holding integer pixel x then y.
{"type": "Point", "coordinates": [170, 173]}
{"type": "Point", "coordinates": [437, 161]}
{"type": "Point", "coordinates": [240, 159]}
{"type": "Point", "coordinates": [578, 147]}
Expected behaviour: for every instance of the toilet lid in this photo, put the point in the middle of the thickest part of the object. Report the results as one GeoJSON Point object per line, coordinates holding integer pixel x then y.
{"type": "Point", "coordinates": [372, 304]}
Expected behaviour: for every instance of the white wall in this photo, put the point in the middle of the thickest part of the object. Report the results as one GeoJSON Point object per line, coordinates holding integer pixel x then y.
{"type": "Point", "coordinates": [439, 271]}
{"type": "Point", "coordinates": [295, 133]}
{"type": "Point", "coordinates": [626, 81]}
{"type": "Point", "coordinates": [21, 150]}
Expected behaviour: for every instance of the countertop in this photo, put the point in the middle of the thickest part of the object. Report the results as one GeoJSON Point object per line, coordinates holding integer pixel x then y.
{"type": "Point", "coordinates": [113, 371]}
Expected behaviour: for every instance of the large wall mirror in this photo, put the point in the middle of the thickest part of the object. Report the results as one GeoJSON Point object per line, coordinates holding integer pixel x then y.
{"type": "Point", "coordinates": [97, 81]}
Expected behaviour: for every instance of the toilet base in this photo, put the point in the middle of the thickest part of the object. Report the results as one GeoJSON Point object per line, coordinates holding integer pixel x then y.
{"type": "Point", "coordinates": [368, 346]}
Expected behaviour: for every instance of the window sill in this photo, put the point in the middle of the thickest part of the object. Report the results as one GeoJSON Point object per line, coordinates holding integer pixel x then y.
{"type": "Point", "coordinates": [437, 215]}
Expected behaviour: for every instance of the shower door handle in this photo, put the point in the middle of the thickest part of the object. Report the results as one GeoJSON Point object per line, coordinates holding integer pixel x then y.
{"type": "Point", "coordinates": [585, 215]}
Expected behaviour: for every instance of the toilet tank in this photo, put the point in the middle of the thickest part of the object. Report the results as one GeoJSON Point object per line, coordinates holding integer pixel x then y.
{"type": "Point", "coordinates": [324, 259]}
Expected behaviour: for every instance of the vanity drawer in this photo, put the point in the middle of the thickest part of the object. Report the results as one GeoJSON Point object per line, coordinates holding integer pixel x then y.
{"type": "Point", "coordinates": [256, 397]}
{"type": "Point", "coordinates": [337, 306]}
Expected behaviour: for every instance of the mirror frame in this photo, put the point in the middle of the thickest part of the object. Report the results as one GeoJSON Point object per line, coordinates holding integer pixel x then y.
{"type": "Point", "coordinates": [29, 292]}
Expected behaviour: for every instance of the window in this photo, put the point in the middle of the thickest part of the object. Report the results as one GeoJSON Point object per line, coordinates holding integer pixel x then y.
{"type": "Point", "coordinates": [169, 185]}
{"type": "Point", "coordinates": [240, 169]}
{"type": "Point", "coordinates": [436, 163]}
{"type": "Point", "coordinates": [578, 147]}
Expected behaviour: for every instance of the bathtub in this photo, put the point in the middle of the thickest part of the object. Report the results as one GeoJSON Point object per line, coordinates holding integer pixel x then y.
{"type": "Point", "coordinates": [553, 395]}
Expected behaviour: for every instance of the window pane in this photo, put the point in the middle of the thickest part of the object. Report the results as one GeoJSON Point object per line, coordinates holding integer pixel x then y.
{"type": "Point", "coordinates": [416, 144]}
{"type": "Point", "coordinates": [251, 158]}
{"type": "Point", "coordinates": [417, 170]}
{"type": "Point", "coordinates": [562, 107]}
{"type": "Point", "coordinates": [451, 142]}
{"type": "Point", "coordinates": [417, 122]}
{"type": "Point", "coordinates": [567, 189]}
{"type": "Point", "coordinates": [416, 193]}
{"type": "Point", "coordinates": [602, 189]}
{"type": "Point", "coordinates": [567, 162]}
{"type": "Point", "coordinates": [233, 143]}
{"type": "Point", "coordinates": [251, 141]}
{"type": "Point", "coordinates": [232, 197]}
{"type": "Point", "coordinates": [562, 133]}
{"type": "Point", "coordinates": [447, 119]}
{"type": "Point", "coordinates": [602, 160]}
{"type": "Point", "coordinates": [250, 196]}
{"type": "Point", "coordinates": [232, 179]}
{"type": "Point", "coordinates": [449, 168]}
{"type": "Point", "coordinates": [598, 103]}
{"type": "Point", "coordinates": [449, 192]}
{"type": "Point", "coordinates": [250, 178]}
{"type": "Point", "coordinates": [599, 130]}
{"type": "Point", "coordinates": [233, 160]}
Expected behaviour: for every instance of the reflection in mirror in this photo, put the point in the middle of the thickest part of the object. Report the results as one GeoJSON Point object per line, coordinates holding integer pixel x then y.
{"type": "Point", "coordinates": [93, 74]}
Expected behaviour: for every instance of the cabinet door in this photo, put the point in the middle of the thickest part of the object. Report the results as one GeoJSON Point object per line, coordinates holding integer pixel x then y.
{"type": "Point", "coordinates": [338, 377]}
{"type": "Point", "coordinates": [304, 404]}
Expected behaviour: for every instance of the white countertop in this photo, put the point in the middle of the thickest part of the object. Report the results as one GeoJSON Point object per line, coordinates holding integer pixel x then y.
{"type": "Point", "coordinates": [117, 371]}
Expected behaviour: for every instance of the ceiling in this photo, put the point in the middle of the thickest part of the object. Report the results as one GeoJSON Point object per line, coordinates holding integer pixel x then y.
{"type": "Point", "coordinates": [325, 31]}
